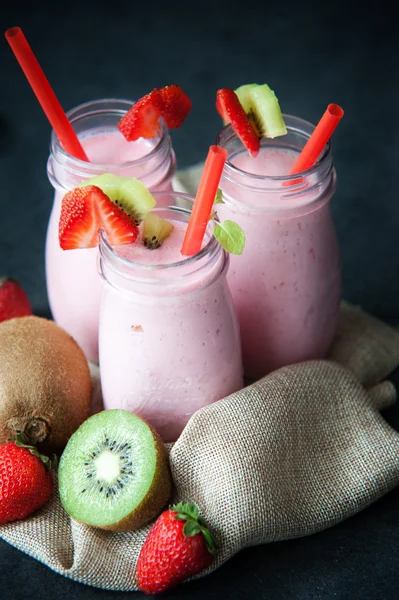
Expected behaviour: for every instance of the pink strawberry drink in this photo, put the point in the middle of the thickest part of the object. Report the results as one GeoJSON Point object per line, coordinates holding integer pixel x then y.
{"type": "Point", "coordinates": [286, 285]}
{"type": "Point", "coordinates": [169, 337]}
{"type": "Point", "coordinates": [73, 285]}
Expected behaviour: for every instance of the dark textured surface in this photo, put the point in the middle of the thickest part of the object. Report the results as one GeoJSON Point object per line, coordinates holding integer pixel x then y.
{"type": "Point", "coordinates": [311, 54]}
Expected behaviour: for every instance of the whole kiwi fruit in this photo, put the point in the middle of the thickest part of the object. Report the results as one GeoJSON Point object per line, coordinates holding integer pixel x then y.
{"type": "Point", "coordinates": [45, 383]}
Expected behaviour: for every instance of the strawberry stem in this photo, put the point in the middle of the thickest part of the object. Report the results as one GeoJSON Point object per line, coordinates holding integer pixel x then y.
{"type": "Point", "coordinates": [22, 441]}
{"type": "Point", "coordinates": [194, 523]}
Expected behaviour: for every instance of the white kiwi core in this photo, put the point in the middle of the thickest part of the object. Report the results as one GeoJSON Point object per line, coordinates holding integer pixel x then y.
{"type": "Point", "coordinates": [107, 466]}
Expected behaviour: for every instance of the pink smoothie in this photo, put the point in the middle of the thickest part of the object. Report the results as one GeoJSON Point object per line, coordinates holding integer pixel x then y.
{"type": "Point", "coordinates": [168, 350]}
{"type": "Point", "coordinates": [286, 284]}
{"type": "Point", "coordinates": [73, 285]}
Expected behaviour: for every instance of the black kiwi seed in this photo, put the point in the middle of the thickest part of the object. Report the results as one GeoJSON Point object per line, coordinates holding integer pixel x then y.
{"type": "Point", "coordinates": [126, 471]}
{"type": "Point", "coordinates": [254, 118]}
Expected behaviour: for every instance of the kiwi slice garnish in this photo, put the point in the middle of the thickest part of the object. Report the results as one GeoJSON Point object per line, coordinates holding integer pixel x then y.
{"type": "Point", "coordinates": [127, 193]}
{"type": "Point", "coordinates": [263, 109]}
{"type": "Point", "coordinates": [155, 230]}
{"type": "Point", "coordinates": [114, 472]}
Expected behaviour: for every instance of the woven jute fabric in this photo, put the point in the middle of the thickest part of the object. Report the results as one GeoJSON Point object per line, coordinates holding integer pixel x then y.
{"type": "Point", "coordinates": [287, 456]}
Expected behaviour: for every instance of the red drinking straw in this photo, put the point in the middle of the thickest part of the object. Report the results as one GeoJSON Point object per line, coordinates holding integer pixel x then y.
{"type": "Point", "coordinates": [204, 200]}
{"type": "Point", "coordinates": [44, 93]}
{"type": "Point", "coordinates": [319, 138]}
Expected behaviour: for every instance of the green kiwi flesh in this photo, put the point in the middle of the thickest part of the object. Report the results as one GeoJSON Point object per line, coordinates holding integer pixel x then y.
{"type": "Point", "coordinates": [128, 193]}
{"type": "Point", "coordinates": [155, 230]}
{"type": "Point", "coordinates": [114, 472]}
{"type": "Point", "coordinates": [263, 109]}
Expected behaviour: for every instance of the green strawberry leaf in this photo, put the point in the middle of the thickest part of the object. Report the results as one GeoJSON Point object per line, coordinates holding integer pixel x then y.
{"type": "Point", "coordinates": [219, 197]}
{"type": "Point", "coordinates": [177, 507]}
{"type": "Point", "coordinates": [230, 236]}
{"type": "Point", "coordinates": [191, 528]}
{"type": "Point", "coordinates": [191, 510]}
{"type": "Point", "coordinates": [185, 511]}
{"type": "Point", "coordinates": [22, 441]}
{"type": "Point", "coordinates": [194, 523]}
{"type": "Point", "coordinates": [210, 544]}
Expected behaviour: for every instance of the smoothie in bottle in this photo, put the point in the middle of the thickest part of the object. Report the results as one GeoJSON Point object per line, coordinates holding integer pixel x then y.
{"type": "Point", "coordinates": [168, 332]}
{"type": "Point", "coordinates": [73, 285]}
{"type": "Point", "coordinates": [286, 286]}
{"type": "Point", "coordinates": [169, 337]}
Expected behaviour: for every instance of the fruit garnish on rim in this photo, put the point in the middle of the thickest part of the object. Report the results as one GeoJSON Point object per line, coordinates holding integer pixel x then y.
{"type": "Point", "coordinates": [87, 210]}
{"type": "Point", "coordinates": [263, 109]}
{"type": "Point", "coordinates": [155, 230]}
{"type": "Point", "coordinates": [142, 119]}
{"type": "Point", "coordinates": [175, 105]}
{"type": "Point", "coordinates": [253, 111]}
{"type": "Point", "coordinates": [231, 111]}
{"type": "Point", "coordinates": [128, 193]}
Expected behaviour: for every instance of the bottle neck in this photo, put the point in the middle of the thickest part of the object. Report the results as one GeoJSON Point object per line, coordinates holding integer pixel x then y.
{"type": "Point", "coordinates": [184, 276]}
{"type": "Point", "coordinates": [96, 124]}
{"type": "Point", "coordinates": [248, 188]}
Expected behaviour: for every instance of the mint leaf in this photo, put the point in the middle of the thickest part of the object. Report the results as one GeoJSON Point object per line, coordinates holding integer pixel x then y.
{"type": "Point", "coordinates": [230, 236]}
{"type": "Point", "coordinates": [219, 197]}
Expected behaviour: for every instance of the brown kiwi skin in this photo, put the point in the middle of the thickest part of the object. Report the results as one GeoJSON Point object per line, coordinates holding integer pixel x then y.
{"type": "Point", "coordinates": [157, 497]}
{"type": "Point", "coordinates": [45, 383]}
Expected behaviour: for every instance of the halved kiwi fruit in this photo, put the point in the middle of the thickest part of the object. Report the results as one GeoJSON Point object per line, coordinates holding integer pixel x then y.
{"type": "Point", "coordinates": [128, 193]}
{"type": "Point", "coordinates": [263, 109]}
{"type": "Point", "coordinates": [155, 230]}
{"type": "Point", "coordinates": [114, 472]}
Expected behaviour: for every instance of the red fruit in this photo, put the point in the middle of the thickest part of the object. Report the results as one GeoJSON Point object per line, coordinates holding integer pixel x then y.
{"type": "Point", "coordinates": [231, 111]}
{"type": "Point", "coordinates": [178, 546]}
{"type": "Point", "coordinates": [25, 483]}
{"type": "Point", "coordinates": [14, 301]}
{"type": "Point", "coordinates": [141, 120]}
{"type": "Point", "coordinates": [175, 105]}
{"type": "Point", "coordinates": [170, 102]}
{"type": "Point", "coordinates": [84, 212]}
{"type": "Point", "coordinates": [222, 110]}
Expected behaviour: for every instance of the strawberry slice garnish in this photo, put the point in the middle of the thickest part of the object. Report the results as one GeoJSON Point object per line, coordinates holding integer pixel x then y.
{"type": "Point", "coordinates": [175, 105]}
{"type": "Point", "coordinates": [170, 102]}
{"type": "Point", "coordinates": [141, 120]}
{"type": "Point", "coordinates": [231, 111]}
{"type": "Point", "coordinates": [222, 110]}
{"type": "Point", "coordinates": [84, 212]}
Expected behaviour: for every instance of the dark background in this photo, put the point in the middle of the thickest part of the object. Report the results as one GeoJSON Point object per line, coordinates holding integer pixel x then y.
{"type": "Point", "coordinates": [310, 53]}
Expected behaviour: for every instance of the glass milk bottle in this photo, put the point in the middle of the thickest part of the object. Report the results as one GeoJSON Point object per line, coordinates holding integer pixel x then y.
{"type": "Point", "coordinates": [73, 285]}
{"type": "Point", "coordinates": [169, 337]}
{"type": "Point", "coordinates": [286, 285]}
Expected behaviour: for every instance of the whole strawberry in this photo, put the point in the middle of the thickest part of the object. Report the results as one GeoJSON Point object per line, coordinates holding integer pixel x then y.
{"type": "Point", "coordinates": [13, 300]}
{"type": "Point", "coordinates": [26, 482]}
{"type": "Point", "coordinates": [178, 546]}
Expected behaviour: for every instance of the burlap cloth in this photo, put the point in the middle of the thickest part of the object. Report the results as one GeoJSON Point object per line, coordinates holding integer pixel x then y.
{"type": "Point", "coordinates": [290, 455]}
